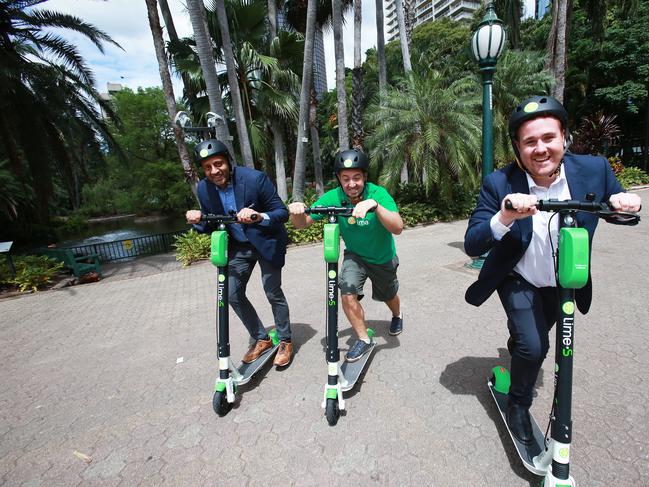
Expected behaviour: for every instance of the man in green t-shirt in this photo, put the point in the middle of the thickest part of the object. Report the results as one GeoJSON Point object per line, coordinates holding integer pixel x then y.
{"type": "Point", "coordinates": [369, 243]}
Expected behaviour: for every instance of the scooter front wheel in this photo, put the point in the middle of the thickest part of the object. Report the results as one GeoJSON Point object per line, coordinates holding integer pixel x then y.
{"type": "Point", "coordinates": [332, 411]}
{"type": "Point", "coordinates": [220, 403]}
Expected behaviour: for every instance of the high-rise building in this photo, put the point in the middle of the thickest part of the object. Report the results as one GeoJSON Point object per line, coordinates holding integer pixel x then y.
{"type": "Point", "coordinates": [319, 63]}
{"type": "Point", "coordinates": [543, 7]}
{"type": "Point", "coordinates": [426, 10]}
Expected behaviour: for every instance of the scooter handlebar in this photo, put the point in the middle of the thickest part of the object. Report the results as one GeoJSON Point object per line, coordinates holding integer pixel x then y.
{"type": "Point", "coordinates": [329, 210]}
{"type": "Point", "coordinates": [209, 217]}
{"type": "Point", "coordinates": [602, 209]}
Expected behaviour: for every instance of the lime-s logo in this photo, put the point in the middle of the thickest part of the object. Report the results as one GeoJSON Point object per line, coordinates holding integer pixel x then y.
{"type": "Point", "coordinates": [531, 107]}
{"type": "Point", "coordinates": [221, 278]}
{"type": "Point", "coordinates": [348, 163]}
{"type": "Point", "coordinates": [332, 274]}
{"type": "Point", "coordinates": [204, 152]}
{"type": "Point", "coordinates": [568, 307]}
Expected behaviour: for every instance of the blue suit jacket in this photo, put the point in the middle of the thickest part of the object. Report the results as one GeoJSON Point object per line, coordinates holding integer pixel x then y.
{"type": "Point", "coordinates": [251, 187]}
{"type": "Point", "coordinates": [585, 174]}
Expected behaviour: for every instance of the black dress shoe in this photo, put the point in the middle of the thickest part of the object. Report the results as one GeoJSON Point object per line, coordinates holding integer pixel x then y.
{"type": "Point", "coordinates": [518, 420]}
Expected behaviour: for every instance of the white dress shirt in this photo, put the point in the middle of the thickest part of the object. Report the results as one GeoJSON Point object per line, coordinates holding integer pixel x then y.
{"type": "Point", "coordinates": [537, 264]}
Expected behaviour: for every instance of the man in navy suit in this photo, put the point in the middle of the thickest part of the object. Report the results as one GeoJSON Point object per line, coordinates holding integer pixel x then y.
{"type": "Point", "coordinates": [520, 264]}
{"type": "Point", "coordinates": [259, 236]}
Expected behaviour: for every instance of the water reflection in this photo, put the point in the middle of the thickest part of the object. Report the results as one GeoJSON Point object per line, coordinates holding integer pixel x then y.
{"type": "Point", "coordinates": [126, 228]}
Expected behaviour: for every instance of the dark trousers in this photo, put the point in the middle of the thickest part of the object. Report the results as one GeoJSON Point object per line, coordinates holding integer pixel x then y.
{"type": "Point", "coordinates": [242, 260]}
{"type": "Point", "coordinates": [531, 313]}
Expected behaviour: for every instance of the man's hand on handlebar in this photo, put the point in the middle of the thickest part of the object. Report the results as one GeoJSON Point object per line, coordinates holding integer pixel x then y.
{"type": "Point", "coordinates": [361, 209]}
{"type": "Point", "coordinates": [523, 205]}
{"type": "Point", "coordinates": [625, 202]}
{"type": "Point", "coordinates": [297, 208]}
{"type": "Point", "coordinates": [248, 215]}
{"type": "Point", "coordinates": [193, 216]}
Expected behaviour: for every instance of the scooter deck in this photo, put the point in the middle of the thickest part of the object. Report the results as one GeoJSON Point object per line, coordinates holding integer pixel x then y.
{"type": "Point", "coordinates": [526, 452]}
{"type": "Point", "coordinates": [248, 370]}
{"type": "Point", "coordinates": [352, 370]}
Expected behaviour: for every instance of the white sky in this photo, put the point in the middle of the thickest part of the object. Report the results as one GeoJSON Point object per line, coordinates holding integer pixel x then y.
{"type": "Point", "coordinates": [127, 23]}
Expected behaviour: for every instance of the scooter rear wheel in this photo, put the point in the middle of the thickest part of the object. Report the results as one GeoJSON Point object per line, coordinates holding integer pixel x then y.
{"type": "Point", "coordinates": [332, 412]}
{"type": "Point", "coordinates": [220, 403]}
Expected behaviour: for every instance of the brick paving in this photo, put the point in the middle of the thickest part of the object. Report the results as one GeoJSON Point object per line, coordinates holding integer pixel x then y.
{"type": "Point", "coordinates": [122, 371]}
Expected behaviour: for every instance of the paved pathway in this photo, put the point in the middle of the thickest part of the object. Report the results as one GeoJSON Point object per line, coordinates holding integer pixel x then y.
{"type": "Point", "coordinates": [122, 372]}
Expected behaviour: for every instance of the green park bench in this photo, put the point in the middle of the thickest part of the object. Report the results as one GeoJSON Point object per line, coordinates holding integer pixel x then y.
{"type": "Point", "coordinates": [79, 265]}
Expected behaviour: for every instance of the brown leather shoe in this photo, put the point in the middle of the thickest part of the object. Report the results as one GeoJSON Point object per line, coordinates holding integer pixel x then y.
{"type": "Point", "coordinates": [284, 353]}
{"type": "Point", "coordinates": [256, 350]}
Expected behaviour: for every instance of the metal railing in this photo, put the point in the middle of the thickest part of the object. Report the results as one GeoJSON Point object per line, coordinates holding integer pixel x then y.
{"type": "Point", "coordinates": [129, 248]}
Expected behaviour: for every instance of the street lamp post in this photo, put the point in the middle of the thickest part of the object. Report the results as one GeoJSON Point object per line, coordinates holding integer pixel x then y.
{"type": "Point", "coordinates": [487, 44]}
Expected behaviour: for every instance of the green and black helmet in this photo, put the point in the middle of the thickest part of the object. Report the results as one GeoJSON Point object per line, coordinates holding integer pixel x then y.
{"type": "Point", "coordinates": [535, 107]}
{"type": "Point", "coordinates": [351, 159]}
{"type": "Point", "coordinates": [209, 148]}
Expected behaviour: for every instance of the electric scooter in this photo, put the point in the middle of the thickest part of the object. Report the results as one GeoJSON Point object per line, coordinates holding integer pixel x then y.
{"type": "Point", "coordinates": [229, 376]}
{"type": "Point", "coordinates": [550, 458]}
{"type": "Point", "coordinates": [339, 379]}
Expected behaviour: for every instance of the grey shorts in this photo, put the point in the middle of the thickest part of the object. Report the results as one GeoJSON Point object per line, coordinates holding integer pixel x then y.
{"type": "Point", "coordinates": [355, 271]}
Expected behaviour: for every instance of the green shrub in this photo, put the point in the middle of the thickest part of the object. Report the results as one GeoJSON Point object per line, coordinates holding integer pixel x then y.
{"type": "Point", "coordinates": [305, 235]}
{"type": "Point", "coordinates": [632, 176]}
{"type": "Point", "coordinates": [192, 246]}
{"type": "Point", "coordinates": [32, 272]}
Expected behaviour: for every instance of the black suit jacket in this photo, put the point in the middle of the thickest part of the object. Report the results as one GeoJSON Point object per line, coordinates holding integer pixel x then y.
{"type": "Point", "coordinates": [585, 174]}
{"type": "Point", "coordinates": [252, 188]}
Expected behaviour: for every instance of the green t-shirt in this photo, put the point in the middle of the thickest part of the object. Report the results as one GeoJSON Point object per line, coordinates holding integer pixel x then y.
{"type": "Point", "coordinates": [366, 237]}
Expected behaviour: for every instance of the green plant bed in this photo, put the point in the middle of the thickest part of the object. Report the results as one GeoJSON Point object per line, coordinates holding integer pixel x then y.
{"type": "Point", "coordinates": [33, 272]}
{"type": "Point", "coordinates": [632, 176]}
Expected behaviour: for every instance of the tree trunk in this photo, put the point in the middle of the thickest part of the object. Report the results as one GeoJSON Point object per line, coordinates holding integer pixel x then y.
{"type": "Point", "coordinates": [315, 145]}
{"type": "Point", "coordinates": [235, 94]}
{"type": "Point", "coordinates": [272, 19]}
{"type": "Point", "coordinates": [403, 38]}
{"type": "Point", "coordinates": [300, 163]}
{"type": "Point", "coordinates": [357, 82]}
{"type": "Point", "coordinates": [409, 18]}
{"type": "Point", "coordinates": [173, 36]}
{"type": "Point", "coordinates": [339, 50]}
{"type": "Point", "coordinates": [280, 170]}
{"type": "Point", "coordinates": [380, 49]}
{"type": "Point", "coordinates": [206, 58]}
{"type": "Point", "coordinates": [156, 31]}
{"type": "Point", "coordinates": [557, 46]}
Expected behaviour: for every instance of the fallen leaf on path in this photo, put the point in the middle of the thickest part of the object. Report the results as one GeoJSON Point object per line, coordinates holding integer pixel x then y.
{"type": "Point", "coordinates": [82, 456]}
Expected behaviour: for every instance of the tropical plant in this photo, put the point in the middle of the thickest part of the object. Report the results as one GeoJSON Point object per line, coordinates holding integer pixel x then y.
{"type": "Point", "coordinates": [632, 176]}
{"type": "Point", "coordinates": [595, 134]}
{"type": "Point", "coordinates": [47, 89]}
{"type": "Point", "coordinates": [431, 123]}
{"type": "Point", "coordinates": [192, 247]}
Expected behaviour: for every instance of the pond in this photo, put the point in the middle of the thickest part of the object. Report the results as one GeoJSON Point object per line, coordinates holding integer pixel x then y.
{"type": "Point", "coordinates": [121, 228]}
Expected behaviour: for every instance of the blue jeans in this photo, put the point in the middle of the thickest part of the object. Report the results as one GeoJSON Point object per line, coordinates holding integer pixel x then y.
{"type": "Point", "coordinates": [242, 260]}
{"type": "Point", "coordinates": [531, 313]}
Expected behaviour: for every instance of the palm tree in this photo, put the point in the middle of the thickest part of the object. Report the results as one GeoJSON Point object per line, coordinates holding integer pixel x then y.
{"type": "Point", "coordinates": [557, 59]}
{"type": "Point", "coordinates": [204, 49]}
{"type": "Point", "coordinates": [244, 141]}
{"type": "Point", "coordinates": [45, 83]}
{"type": "Point", "coordinates": [173, 38]}
{"type": "Point", "coordinates": [380, 48]}
{"type": "Point", "coordinates": [357, 81]}
{"type": "Point", "coordinates": [337, 21]}
{"type": "Point", "coordinates": [432, 124]}
{"type": "Point", "coordinates": [156, 31]}
{"type": "Point", "coordinates": [299, 171]}
{"type": "Point", "coordinates": [403, 38]}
